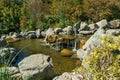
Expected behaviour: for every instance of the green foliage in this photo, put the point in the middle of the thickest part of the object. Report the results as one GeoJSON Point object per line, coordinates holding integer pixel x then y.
{"type": "Point", "coordinates": [32, 14]}
{"type": "Point", "coordinates": [104, 62]}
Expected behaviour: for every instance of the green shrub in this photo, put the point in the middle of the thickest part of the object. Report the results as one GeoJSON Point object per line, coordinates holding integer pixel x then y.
{"type": "Point", "coordinates": [104, 63]}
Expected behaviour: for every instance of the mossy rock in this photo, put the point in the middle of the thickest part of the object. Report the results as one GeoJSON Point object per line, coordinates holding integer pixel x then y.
{"type": "Point", "coordinates": [12, 39]}
{"type": "Point", "coordinates": [66, 53]}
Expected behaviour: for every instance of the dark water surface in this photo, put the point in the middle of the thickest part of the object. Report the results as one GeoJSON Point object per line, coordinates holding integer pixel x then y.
{"type": "Point", "coordinates": [34, 46]}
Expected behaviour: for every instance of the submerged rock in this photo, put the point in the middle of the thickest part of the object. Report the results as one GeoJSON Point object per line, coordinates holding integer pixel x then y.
{"type": "Point", "coordinates": [66, 53]}
{"type": "Point", "coordinates": [36, 67]}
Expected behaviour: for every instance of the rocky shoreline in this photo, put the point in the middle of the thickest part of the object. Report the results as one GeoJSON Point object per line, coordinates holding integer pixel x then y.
{"type": "Point", "coordinates": [40, 66]}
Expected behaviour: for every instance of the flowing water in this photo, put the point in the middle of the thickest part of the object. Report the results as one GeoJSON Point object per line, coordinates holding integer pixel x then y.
{"type": "Point", "coordinates": [34, 46]}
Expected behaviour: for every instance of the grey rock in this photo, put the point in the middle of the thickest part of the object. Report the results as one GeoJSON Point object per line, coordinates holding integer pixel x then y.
{"type": "Point", "coordinates": [38, 33]}
{"type": "Point", "coordinates": [68, 30]}
{"type": "Point", "coordinates": [31, 34]}
{"type": "Point", "coordinates": [93, 41]}
{"type": "Point", "coordinates": [48, 33]}
{"type": "Point", "coordinates": [36, 67]}
{"type": "Point", "coordinates": [42, 34]}
{"type": "Point", "coordinates": [93, 26]}
{"type": "Point", "coordinates": [86, 32]}
{"type": "Point", "coordinates": [76, 27]}
{"type": "Point", "coordinates": [83, 26]}
{"type": "Point", "coordinates": [115, 24]}
{"type": "Point", "coordinates": [16, 35]}
{"type": "Point", "coordinates": [80, 53]}
{"type": "Point", "coordinates": [114, 32]}
{"type": "Point", "coordinates": [103, 23]}
{"type": "Point", "coordinates": [58, 30]}
{"type": "Point", "coordinates": [69, 76]}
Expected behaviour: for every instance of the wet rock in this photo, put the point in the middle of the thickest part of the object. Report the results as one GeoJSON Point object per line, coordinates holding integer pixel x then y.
{"type": "Point", "coordinates": [114, 32]}
{"type": "Point", "coordinates": [69, 76]}
{"type": "Point", "coordinates": [115, 24]}
{"type": "Point", "coordinates": [36, 67]}
{"type": "Point", "coordinates": [66, 53]}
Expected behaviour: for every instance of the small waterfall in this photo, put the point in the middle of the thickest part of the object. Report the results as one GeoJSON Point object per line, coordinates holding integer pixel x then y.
{"type": "Point", "coordinates": [56, 44]}
{"type": "Point", "coordinates": [75, 45]}
{"type": "Point", "coordinates": [68, 43]}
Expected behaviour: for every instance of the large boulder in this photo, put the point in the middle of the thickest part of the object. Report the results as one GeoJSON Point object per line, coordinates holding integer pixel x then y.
{"type": "Point", "coordinates": [36, 67]}
{"type": "Point", "coordinates": [66, 53]}
{"type": "Point", "coordinates": [69, 76]}
{"type": "Point", "coordinates": [7, 54]}
{"type": "Point", "coordinates": [93, 41]}
{"type": "Point", "coordinates": [114, 32]}
{"type": "Point", "coordinates": [115, 24]}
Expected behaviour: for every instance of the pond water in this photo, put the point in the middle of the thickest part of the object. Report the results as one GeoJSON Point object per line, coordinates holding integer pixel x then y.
{"type": "Point", "coordinates": [34, 46]}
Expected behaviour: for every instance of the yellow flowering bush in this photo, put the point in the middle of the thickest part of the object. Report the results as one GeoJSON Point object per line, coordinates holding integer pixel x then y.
{"type": "Point", "coordinates": [104, 63]}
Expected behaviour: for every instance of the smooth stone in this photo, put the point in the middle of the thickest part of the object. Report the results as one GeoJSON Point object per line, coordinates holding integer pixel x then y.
{"type": "Point", "coordinates": [66, 53]}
